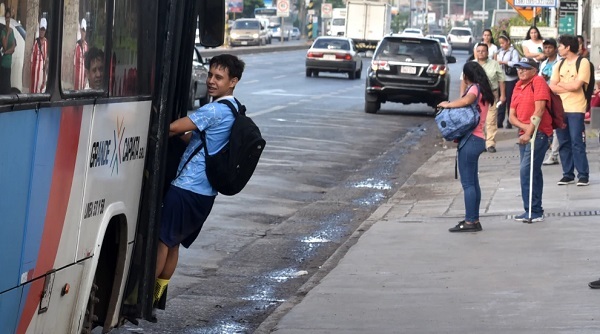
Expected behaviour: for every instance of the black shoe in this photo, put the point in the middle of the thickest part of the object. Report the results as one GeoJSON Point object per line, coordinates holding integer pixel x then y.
{"type": "Point", "coordinates": [565, 180]}
{"type": "Point", "coordinates": [491, 149]}
{"type": "Point", "coordinates": [594, 284]}
{"type": "Point", "coordinates": [500, 126]}
{"type": "Point", "coordinates": [509, 126]}
{"type": "Point", "coordinates": [464, 227]}
{"type": "Point", "coordinates": [583, 181]}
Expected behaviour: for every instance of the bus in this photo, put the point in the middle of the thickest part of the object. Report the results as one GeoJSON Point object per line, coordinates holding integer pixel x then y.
{"type": "Point", "coordinates": [83, 163]}
{"type": "Point", "coordinates": [269, 16]}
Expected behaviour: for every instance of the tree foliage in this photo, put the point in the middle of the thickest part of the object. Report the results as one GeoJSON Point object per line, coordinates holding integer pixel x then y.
{"type": "Point", "coordinates": [249, 6]}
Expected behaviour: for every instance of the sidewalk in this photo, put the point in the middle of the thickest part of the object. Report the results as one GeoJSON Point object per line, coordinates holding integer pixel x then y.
{"type": "Point", "coordinates": [408, 274]}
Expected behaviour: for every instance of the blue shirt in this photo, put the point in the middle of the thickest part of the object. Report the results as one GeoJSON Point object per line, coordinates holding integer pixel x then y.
{"type": "Point", "coordinates": [216, 119]}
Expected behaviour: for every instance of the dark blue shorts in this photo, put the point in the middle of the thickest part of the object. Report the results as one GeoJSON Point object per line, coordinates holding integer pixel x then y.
{"type": "Point", "coordinates": [183, 215]}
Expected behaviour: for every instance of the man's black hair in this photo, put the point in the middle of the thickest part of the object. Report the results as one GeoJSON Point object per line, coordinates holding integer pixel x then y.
{"type": "Point", "coordinates": [93, 54]}
{"type": "Point", "coordinates": [232, 63]}
{"type": "Point", "coordinates": [570, 42]}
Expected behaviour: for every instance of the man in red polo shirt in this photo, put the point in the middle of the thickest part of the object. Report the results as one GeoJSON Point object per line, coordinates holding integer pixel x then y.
{"type": "Point", "coordinates": [529, 98]}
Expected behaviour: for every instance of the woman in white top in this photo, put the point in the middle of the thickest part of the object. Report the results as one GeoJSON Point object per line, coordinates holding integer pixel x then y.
{"type": "Point", "coordinates": [533, 45]}
{"type": "Point", "coordinates": [488, 39]}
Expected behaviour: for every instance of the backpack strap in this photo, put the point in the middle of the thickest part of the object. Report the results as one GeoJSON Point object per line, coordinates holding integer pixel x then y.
{"type": "Point", "coordinates": [196, 150]}
{"type": "Point", "coordinates": [234, 111]}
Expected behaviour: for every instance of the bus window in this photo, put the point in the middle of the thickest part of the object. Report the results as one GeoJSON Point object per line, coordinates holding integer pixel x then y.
{"type": "Point", "coordinates": [83, 44]}
{"type": "Point", "coordinates": [132, 59]}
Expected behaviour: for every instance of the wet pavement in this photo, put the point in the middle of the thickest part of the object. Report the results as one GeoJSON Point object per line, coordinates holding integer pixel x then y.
{"type": "Point", "coordinates": [403, 272]}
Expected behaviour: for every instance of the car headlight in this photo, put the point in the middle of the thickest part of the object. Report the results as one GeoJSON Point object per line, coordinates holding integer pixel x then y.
{"type": "Point", "coordinates": [255, 36]}
{"type": "Point", "coordinates": [234, 35]}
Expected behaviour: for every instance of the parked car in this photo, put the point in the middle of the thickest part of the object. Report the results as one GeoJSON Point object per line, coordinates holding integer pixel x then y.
{"type": "Point", "coordinates": [198, 89]}
{"type": "Point", "coordinates": [16, 68]}
{"type": "Point", "coordinates": [333, 54]}
{"type": "Point", "coordinates": [295, 33]}
{"type": "Point", "coordinates": [412, 31]}
{"type": "Point", "coordinates": [247, 32]}
{"type": "Point", "coordinates": [407, 69]}
{"type": "Point", "coordinates": [461, 38]}
{"type": "Point", "coordinates": [446, 47]}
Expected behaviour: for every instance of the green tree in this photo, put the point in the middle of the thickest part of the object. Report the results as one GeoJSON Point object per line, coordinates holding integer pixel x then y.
{"type": "Point", "coordinates": [249, 6]}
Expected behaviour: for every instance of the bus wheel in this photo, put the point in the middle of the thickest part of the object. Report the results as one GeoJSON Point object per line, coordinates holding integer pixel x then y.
{"type": "Point", "coordinates": [90, 315]}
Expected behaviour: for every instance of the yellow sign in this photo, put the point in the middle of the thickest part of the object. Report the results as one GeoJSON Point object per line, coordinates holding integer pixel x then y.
{"type": "Point", "coordinates": [525, 12]}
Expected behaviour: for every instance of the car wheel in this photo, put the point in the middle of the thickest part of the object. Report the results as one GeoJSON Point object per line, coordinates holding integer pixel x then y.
{"type": "Point", "coordinates": [372, 107]}
{"type": "Point", "coordinates": [315, 73]}
{"type": "Point", "coordinates": [351, 75]}
{"type": "Point", "coordinates": [191, 99]}
{"type": "Point", "coordinates": [358, 73]}
{"type": "Point", "coordinates": [308, 73]}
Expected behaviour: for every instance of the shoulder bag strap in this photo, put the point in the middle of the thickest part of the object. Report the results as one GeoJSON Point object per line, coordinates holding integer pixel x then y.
{"type": "Point", "coordinates": [196, 150]}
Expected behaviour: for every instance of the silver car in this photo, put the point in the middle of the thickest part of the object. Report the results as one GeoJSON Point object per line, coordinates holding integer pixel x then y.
{"type": "Point", "coordinates": [446, 47]}
{"type": "Point", "coordinates": [198, 89]}
{"type": "Point", "coordinates": [333, 54]}
{"type": "Point", "coordinates": [461, 38]}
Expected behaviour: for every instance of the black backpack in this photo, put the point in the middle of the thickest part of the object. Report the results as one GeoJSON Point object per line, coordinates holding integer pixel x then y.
{"type": "Point", "coordinates": [588, 90]}
{"type": "Point", "coordinates": [230, 169]}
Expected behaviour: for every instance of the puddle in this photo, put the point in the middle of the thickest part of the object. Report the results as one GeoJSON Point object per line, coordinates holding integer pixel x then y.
{"type": "Point", "coordinates": [371, 183]}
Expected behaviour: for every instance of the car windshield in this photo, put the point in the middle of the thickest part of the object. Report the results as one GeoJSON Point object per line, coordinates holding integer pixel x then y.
{"type": "Point", "coordinates": [338, 22]}
{"type": "Point", "coordinates": [246, 25]}
{"type": "Point", "coordinates": [420, 51]}
{"type": "Point", "coordinates": [460, 32]}
{"type": "Point", "coordinates": [331, 44]}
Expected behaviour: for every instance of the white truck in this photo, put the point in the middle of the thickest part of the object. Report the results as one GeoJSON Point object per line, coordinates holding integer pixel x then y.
{"type": "Point", "coordinates": [338, 22]}
{"type": "Point", "coordinates": [367, 22]}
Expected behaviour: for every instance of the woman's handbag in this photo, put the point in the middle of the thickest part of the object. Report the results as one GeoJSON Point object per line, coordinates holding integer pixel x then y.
{"type": "Point", "coordinates": [455, 123]}
{"type": "Point", "coordinates": [509, 70]}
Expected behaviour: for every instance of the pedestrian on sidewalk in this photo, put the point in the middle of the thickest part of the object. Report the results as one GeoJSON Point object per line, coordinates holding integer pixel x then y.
{"type": "Point", "coordinates": [507, 57]}
{"type": "Point", "coordinates": [495, 75]}
{"type": "Point", "coordinates": [472, 145]}
{"type": "Point", "coordinates": [552, 57]}
{"type": "Point", "coordinates": [530, 97]}
{"type": "Point", "coordinates": [569, 82]}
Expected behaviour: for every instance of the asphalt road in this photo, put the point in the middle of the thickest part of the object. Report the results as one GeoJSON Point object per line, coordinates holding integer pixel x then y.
{"type": "Point", "coordinates": [326, 167]}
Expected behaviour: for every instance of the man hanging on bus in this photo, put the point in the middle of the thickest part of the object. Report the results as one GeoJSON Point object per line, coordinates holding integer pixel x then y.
{"type": "Point", "coordinates": [190, 196]}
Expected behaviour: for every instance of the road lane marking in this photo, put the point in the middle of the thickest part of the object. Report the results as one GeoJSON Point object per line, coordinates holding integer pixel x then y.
{"type": "Point", "coordinates": [279, 76]}
{"type": "Point", "coordinates": [250, 82]}
{"type": "Point", "coordinates": [258, 113]}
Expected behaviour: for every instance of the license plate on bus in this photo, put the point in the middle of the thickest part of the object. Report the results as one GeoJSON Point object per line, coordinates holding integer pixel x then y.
{"type": "Point", "coordinates": [244, 43]}
{"type": "Point", "coordinates": [408, 70]}
{"type": "Point", "coordinates": [329, 57]}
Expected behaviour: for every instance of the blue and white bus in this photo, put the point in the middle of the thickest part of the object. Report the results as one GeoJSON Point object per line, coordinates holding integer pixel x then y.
{"type": "Point", "coordinates": [269, 17]}
{"type": "Point", "coordinates": [82, 170]}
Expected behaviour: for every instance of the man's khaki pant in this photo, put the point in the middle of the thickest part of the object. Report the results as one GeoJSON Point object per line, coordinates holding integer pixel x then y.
{"type": "Point", "coordinates": [491, 123]}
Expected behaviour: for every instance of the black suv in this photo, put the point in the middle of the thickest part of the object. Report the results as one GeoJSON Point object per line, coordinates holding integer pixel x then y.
{"type": "Point", "coordinates": [407, 69]}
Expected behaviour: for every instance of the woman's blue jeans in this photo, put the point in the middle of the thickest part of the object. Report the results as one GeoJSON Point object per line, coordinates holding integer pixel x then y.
{"type": "Point", "coordinates": [468, 167]}
{"type": "Point", "coordinates": [541, 146]}
{"type": "Point", "coordinates": [571, 147]}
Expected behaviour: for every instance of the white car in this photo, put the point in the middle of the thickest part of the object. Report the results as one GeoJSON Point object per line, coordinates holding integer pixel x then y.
{"type": "Point", "coordinates": [413, 31]}
{"type": "Point", "coordinates": [446, 47]}
{"type": "Point", "coordinates": [461, 38]}
{"type": "Point", "coordinates": [295, 33]}
{"type": "Point", "coordinates": [16, 68]}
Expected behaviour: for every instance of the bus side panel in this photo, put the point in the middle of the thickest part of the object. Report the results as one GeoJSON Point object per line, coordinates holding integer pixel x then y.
{"type": "Point", "coordinates": [116, 163]}
{"type": "Point", "coordinates": [43, 163]}
{"type": "Point", "coordinates": [17, 136]}
{"type": "Point", "coordinates": [9, 310]}
{"type": "Point", "coordinates": [57, 202]}
{"type": "Point", "coordinates": [59, 306]}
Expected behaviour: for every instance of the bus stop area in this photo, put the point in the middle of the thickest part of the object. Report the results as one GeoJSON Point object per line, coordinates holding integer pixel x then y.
{"type": "Point", "coordinates": [403, 272]}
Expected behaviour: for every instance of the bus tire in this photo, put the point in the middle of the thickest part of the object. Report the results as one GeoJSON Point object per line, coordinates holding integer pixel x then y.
{"type": "Point", "coordinates": [90, 318]}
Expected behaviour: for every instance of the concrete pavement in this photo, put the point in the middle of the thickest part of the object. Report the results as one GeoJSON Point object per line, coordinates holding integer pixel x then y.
{"type": "Point", "coordinates": [405, 273]}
